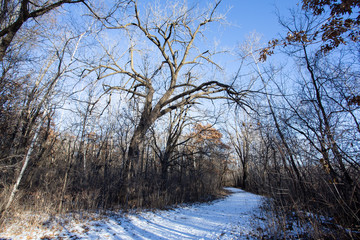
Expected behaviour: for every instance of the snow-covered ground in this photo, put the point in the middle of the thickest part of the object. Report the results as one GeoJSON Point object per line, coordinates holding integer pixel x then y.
{"type": "Point", "coordinates": [228, 218]}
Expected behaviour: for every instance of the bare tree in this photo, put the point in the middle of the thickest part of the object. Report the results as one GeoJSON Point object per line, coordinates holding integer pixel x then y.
{"type": "Point", "coordinates": [14, 14]}
{"type": "Point", "coordinates": [38, 105]}
{"type": "Point", "coordinates": [170, 82]}
{"type": "Point", "coordinates": [314, 121]}
{"type": "Point", "coordinates": [241, 139]}
{"type": "Point", "coordinates": [166, 153]}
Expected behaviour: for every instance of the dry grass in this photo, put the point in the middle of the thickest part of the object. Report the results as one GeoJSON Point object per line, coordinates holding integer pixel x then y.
{"type": "Point", "coordinates": [34, 225]}
{"type": "Point", "coordinates": [295, 222]}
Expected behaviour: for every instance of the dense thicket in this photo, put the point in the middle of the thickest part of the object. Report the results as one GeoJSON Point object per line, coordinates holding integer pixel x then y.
{"type": "Point", "coordinates": [304, 146]}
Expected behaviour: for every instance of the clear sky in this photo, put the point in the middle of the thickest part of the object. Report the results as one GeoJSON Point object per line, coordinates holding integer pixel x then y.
{"type": "Point", "coordinates": [245, 17]}
{"type": "Point", "coordinates": [255, 15]}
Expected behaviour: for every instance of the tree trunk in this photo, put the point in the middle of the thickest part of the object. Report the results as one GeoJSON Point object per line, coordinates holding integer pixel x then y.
{"type": "Point", "coordinates": [164, 170]}
{"type": "Point", "coordinates": [26, 162]}
{"type": "Point", "coordinates": [133, 155]}
{"type": "Point", "coordinates": [244, 176]}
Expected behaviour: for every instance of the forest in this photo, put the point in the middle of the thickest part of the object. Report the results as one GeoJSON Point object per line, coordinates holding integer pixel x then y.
{"type": "Point", "coordinates": [125, 104]}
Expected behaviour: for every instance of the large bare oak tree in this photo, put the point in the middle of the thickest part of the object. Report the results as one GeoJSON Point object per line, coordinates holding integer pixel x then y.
{"type": "Point", "coordinates": [170, 79]}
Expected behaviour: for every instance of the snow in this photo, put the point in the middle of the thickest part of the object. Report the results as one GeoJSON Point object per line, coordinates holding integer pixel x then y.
{"type": "Point", "coordinates": [233, 217]}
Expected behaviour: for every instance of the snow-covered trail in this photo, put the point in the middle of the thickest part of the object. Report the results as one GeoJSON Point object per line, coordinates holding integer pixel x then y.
{"type": "Point", "coordinates": [229, 218]}
{"type": "Point", "coordinates": [226, 219]}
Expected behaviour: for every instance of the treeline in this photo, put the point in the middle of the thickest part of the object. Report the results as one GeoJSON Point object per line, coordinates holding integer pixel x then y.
{"type": "Point", "coordinates": [301, 144]}
{"type": "Point", "coordinates": [96, 106]}
{"type": "Point", "coordinates": [68, 172]}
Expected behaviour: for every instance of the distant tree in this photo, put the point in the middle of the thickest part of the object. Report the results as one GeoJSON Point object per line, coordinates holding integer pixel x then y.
{"type": "Point", "coordinates": [241, 139]}
{"type": "Point", "coordinates": [208, 153]}
{"type": "Point", "coordinates": [178, 120]}
{"type": "Point", "coordinates": [207, 140]}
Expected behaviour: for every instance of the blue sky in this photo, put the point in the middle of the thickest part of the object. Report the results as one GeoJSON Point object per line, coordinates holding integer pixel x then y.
{"type": "Point", "coordinates": [253, 15]}
{"type": "Point", "coordinates": [245, 17]}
